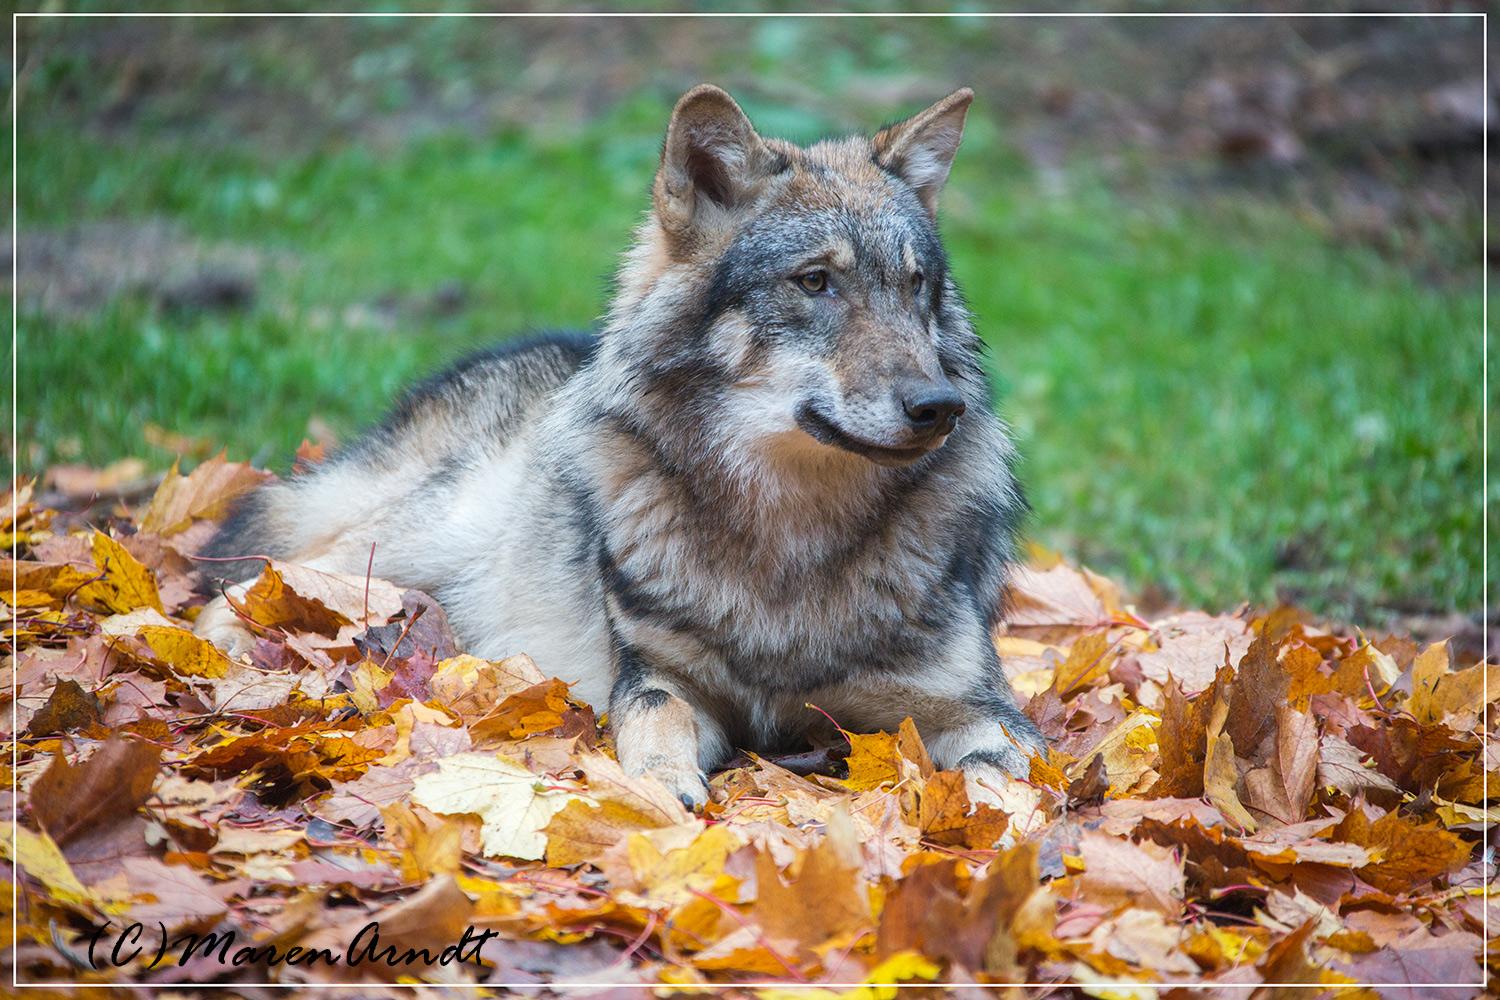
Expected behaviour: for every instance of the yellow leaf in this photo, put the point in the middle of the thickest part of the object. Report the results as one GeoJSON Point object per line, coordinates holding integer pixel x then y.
{"type": "Point", "coordinates": [1426, 671]}
{"type": "Point", "coordinates": [873, 760]}
{"type": "Point", "coordinates": [184, 652]}
{"type": "Point", "coordinates": [1089, 660]}
{"type": "Point", "coordinates": [127, 584]}
{"type": "Point", "coordinates": [672, 877]}
{"type": "Point", "coordinates": [901, 967]}
{"type": "Point", "coordinates": [1129, 751]}
{"type": "Point", "coordinates": [582, 831]}
{"type": "Point", "coordinates": [36, 853]}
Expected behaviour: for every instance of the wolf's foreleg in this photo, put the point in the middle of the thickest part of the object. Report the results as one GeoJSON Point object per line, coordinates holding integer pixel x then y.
{"type": "Point", "coordinates": [659, 732]}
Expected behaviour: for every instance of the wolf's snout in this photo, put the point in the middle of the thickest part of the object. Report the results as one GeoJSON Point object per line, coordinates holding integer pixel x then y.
{"type": "Point", "coordinates": [935, 408]}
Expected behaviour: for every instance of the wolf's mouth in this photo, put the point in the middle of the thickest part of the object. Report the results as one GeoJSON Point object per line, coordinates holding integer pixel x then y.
{"type": "Point", "coordinates": [826, 431]}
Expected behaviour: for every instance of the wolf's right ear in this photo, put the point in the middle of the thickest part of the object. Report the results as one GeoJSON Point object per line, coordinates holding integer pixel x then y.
{"type": "Point", "coordinates": [712, 157]}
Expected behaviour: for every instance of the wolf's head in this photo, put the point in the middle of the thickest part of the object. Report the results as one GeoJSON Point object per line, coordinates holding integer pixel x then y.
{"type": "Point", "coordinates": [802, 294]}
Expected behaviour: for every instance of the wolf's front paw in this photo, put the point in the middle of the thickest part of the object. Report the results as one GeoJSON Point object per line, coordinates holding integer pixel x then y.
{"type": "Point", "coordinates": [218, 623]}
{"type": "Point", "coordinates": [686, 782]}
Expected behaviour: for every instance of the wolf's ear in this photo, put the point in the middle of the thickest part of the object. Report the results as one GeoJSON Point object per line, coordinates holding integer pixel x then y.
{"type": "Point", "coordinates": [712, 155]}
{"type": "Point", "coordinates": [920, 150]}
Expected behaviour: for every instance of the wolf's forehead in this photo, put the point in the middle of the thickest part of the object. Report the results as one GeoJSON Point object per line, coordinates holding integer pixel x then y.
{"type": "Point", "coordinates": [833, 197]}
{"type": "Point", "coordinates": [839, 173]}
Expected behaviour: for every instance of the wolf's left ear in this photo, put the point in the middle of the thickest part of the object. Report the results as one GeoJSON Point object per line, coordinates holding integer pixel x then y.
{"type": "Point", "coordinates": [712, 157]}
{"type": "Point", "coordinates": [920, 150]}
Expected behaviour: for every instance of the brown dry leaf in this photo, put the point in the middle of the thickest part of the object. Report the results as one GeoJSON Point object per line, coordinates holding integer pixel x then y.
{"type": "Point", "coordinates": [1311, 841]}
{"type": "Point", "coordinates": [245, 689]}
{"type": "Point", "coordinates": [429, 851]}
{"type": "Point", "coordinates": [1461, 695]}
{"type": "Point", "coordinates": [1409, 855]}
{"type": "Point", "coordinates": [271, 603]}
{"type": "Point", "coordinates": [945, 815]}
{"type": "Point", "coordinates": [347, 594]}
{"type": "Point", "coordinates": [1118, 872]}
{"type": "Point", "coordinates": [1341, 765]}
{"type": "Point", "coordinates": [1421, 967]}
{"type": "Point", "coordinates": [1058, 596]}
{"type": "Point", "coordinates": [203, 493]}
{"type": "Point", "coordinates": [359, 801]}
{"type": "Point", "coordinates": [536, 709]}
{"type": "Point", "coordinates": [174, 894]}
{"type": "Point", "coordinates": [1144, 939]}
{"type": "Point", "coordinates": [1283, 789]}
{"type": "Point", "coordinates": [1193, 649]}
{"type": "Point", "coordinates": [127, 585]}
{"type": "Point", "coordinates": [1260, 684]}
{"type": "Point", "coordinates": [1220, 775]}
{"type": "Point", "coordinates": [69, 708]}
{"type": "Point", "coordinates": [607, 782]}
{"type": "Point", "coordinates": [1182, 740]}
{"type": "Point", "coordinates": [1366, 669]}
{"type": "Point", "coordinates": [434, 917]}
{"type": "Point", "coordinates": [825, 900]}
{"type": "Point", "coordinates": [1428, 668]}
{"type": "Point", "coordinates": [910, 744]}
{"type": "Point", "coordinates": [107, 788]}
{"type": "Point", "coordinates": [583, 831]}
{"type": "Point", "coordinates": [618, 806]}
{"type": "Point", "coordinates": [1302, 662]}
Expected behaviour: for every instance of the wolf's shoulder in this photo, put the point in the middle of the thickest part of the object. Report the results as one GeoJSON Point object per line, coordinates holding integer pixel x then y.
{"type": "Point", "coordinates": [481, 400]}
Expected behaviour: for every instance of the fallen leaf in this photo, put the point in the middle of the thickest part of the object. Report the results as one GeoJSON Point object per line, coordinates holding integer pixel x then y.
{"type": "Point", "coordinates": [1219, 772]}
{"type": "Point", "coordinates": [947, 817]}
{"type": "Point", "coordinates": [536, 709]}
{"type": "Point", "coordinates": [1283, 789]}
{"type": "Point", "coordinates": [1058, 596]}
{"type": "Point", "coordinates": [1124, 873]}
{"type": "Point", "coordinates": [203, 493]}
{"type": "Point", "coordinates": [509, 799]}
{"type": "Point", "coordinates": [273, 604]}
{"type": "Point", "coordinates": [127, 585]}
{"type": "Point", "coordinates": [68, 708]}
{"type": "Point", "coordinates": [39, 855]}
{"type": "Point", "coordinates": [184, 652]}
{"type": "Point", "coordinates": [1409, 855]}
{"type": "Point", "coordinates": [109, 786]}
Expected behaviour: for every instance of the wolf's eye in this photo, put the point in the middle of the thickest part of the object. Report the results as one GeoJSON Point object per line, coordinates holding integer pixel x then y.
{"type": "Point", "coordinates": [916, 283]}
{"type": "Point", "coordinates": [814, 282]}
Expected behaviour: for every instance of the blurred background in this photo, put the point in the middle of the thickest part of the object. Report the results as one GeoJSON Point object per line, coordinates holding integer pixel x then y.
{"type": "Point", "coordinates": [1229, 269]}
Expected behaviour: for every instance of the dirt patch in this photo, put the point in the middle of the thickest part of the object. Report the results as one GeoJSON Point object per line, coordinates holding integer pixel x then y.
{"type": "Point", "coordinates": [74, 271]}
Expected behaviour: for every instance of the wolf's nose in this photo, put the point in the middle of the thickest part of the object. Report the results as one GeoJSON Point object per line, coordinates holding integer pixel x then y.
{"type": "Point", "coordinates": [935, 408]}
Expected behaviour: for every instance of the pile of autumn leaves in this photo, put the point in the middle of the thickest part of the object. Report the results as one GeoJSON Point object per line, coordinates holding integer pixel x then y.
{"type": "Point", "coordinates": [1240, 800]}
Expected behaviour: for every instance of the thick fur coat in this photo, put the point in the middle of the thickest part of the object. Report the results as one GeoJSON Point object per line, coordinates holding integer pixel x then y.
{"type": "Point", "coordinates": [774, 479]}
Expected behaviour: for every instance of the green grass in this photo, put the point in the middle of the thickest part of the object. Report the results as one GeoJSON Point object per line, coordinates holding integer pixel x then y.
{"type": "Point", "coordinates": [1209, 397]}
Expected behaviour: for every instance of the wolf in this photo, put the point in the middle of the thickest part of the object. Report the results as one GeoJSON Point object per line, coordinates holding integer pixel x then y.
{"type": "Point", "coordinates": [773, 481]}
